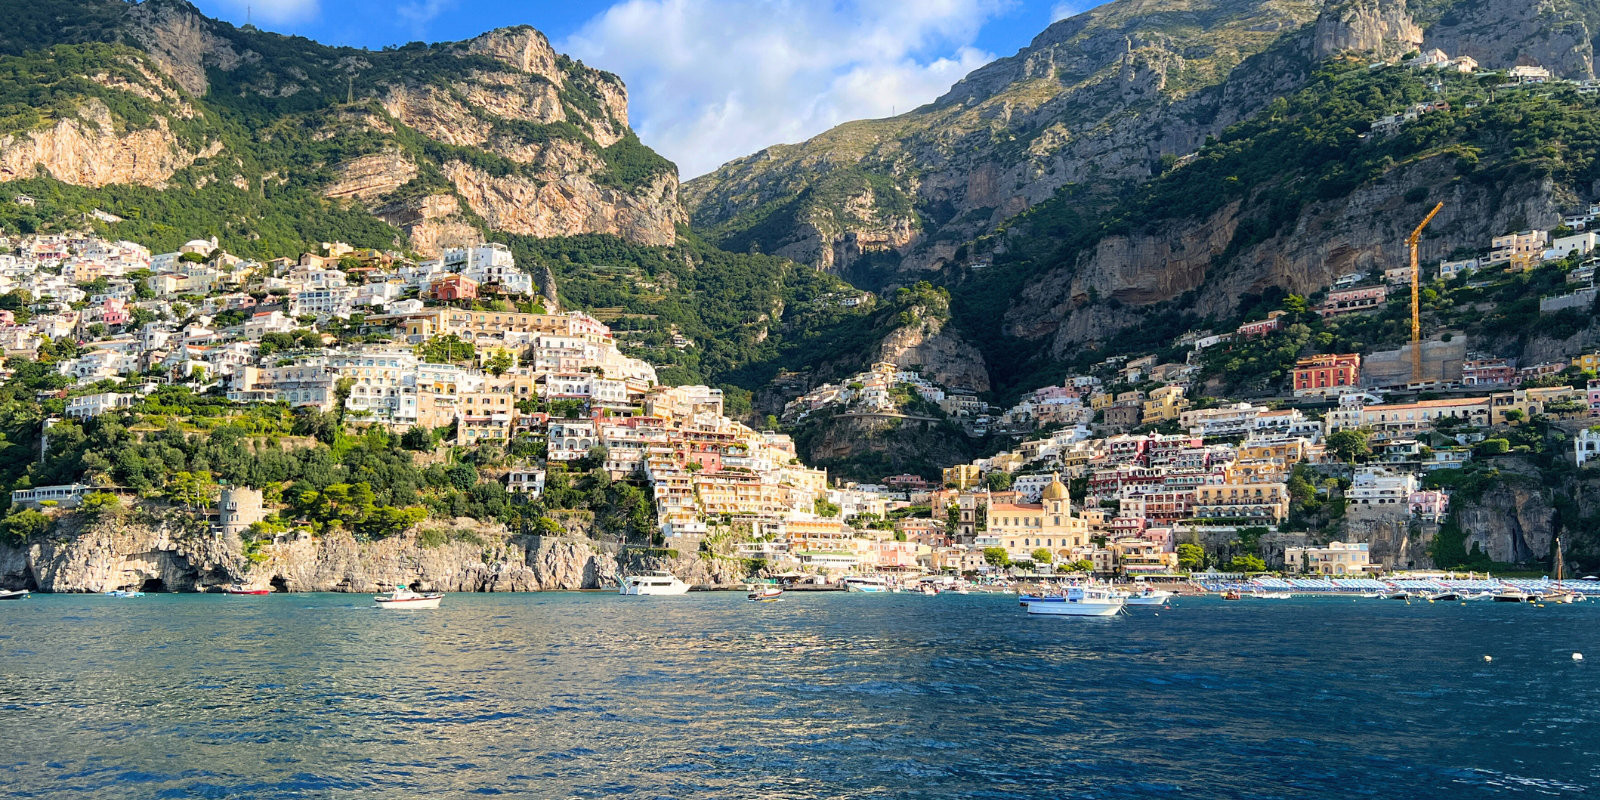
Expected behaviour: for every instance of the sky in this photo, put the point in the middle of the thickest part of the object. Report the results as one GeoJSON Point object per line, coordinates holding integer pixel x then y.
{"type": "Point", "coordinates": [712, 80]}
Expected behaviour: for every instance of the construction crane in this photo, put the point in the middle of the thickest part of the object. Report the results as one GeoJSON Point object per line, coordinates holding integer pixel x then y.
{"type": "Point", "coordinates": [1416, 303]}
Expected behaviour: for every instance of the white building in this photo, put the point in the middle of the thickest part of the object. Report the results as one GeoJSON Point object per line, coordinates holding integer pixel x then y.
{"type": "Point", "coordinates": [93, 405]}
{"type": "Point", "coordinates": [1587, 445]}
{"type": "Point", "coordinates": [1373, 486]}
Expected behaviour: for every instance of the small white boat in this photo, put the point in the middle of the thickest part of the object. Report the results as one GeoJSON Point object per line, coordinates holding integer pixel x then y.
{"type": "Point", "coordinates": [1265, 595]}
{"type": "Point", "coordinates": [123, 593]}
{"type": "Point", "coordinates": [1510, 595]}
{"type": "Point", "coordinates": [1446, 596]}
{"type": "Point", "coordinates": [404, 598]}
{"type": "Point", "coordinates": [1080, 601]}
{"type": "Point", "coordinates": [20, 594]}
{"type": "Point", "coordinates": [1149, 597]}
{"type": "Point", "coordinates": [763, 594]}
{"type": "Point", "coordinates": [867, 584]}
{"type": "Point", "coordinates": [652, 584]}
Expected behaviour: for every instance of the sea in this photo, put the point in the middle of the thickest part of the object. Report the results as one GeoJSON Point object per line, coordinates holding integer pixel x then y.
{"type": "Point", "coordinates": [820, 695]}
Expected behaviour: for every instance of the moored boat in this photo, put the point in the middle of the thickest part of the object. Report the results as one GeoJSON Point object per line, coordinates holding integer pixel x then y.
{"type": "Point", "coordinates": [1232, 594]}
{"type": "Point", "coordinates": [1265, 595]}
{"type": "Point", "coordinates": [1149, 597]}
{"type": "Point", "coordinates": [240, 588]}
{"type": "Point", "coordinates": [1400, 595]}
{"type": "Point", "coordinates": [865, 583]}
{"type": "Point", "coordinates": [652, 584]}
{"type": "Point", "coordinates": [1080, 601]}
{"type": "Point", "coordinates": [403, 598]}
{"type": "Point", "coordinates": [20, 594]}
{"type": "Point", "coordinates": [1512, 595]}
{"type": "Point", "coordinates": [765, 594]}
{"type": "Point", "coordinates": [123, 593]}
{"type": "Point", "coordinates": [1444, 597]}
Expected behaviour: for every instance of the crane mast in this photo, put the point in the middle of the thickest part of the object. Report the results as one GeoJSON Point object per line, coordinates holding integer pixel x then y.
{"type": "Point", "coordinates": [1416, 304]}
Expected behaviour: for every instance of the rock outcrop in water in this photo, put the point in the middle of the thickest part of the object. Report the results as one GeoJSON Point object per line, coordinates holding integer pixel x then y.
{"type": "Point", "coordinates": [175, 552]}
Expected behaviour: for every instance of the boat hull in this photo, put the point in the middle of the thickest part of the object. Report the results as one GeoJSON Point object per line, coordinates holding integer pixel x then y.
{"type": "Point", "coordinates": [1075, 608]}
{"type": "Point", "coordinates": [250, 592]}
{"type": "Point", "coordinates": [21, 595]}
{"type": "Point", "coordinates": [1154, 599]}
{"type": "Point", "coordinates": [429, 601]}
{"type": "Point", "coordinates": [764, 597]}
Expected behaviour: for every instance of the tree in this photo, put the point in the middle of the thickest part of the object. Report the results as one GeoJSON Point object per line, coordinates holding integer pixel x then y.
{"type": "Point", "coordinates": [996, 557]}
{"type": "Point", "coordinates": [1349, 445]}
{"type": "Point", "coordinates": [447, 349]}
{"type": "Point", "coordinates": [1494, 447]}
{"type": "Point", "coordinates": [997, 481]}
{"type": "Point", "coordinates": [825, 509]}
{"type": "Point", "coordinates": [952, 519]}
{"type": "Point", "coordinates": [192, 489]}
{"type": "Point", "coordinates": [1515, 415]}
{"type": "Point", "coordinates": [100, 504]}
{"type": "Point", "coordinates": [463, 476]}
{"type": "Point", "coordinates": [386, 521]}
{"type": "Point", "coordinates": [1042, 556]}
{"type": "Point", "coordinates": [500, 362]}
{"type": "Point", "coordinates": [24, 525]}
{"type": "Point", "coordinates": [1190, 557]}
{"type": "Point", "coordinates": [1247, 563]}
{"type": "Point", "coordinates": [1081, 565]}
{"type": "Point", "coordinates": [417, 438]}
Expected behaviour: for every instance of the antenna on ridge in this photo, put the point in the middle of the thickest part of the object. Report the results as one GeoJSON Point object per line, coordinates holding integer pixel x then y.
{"type": "Point", "coordinates": [247, 15]}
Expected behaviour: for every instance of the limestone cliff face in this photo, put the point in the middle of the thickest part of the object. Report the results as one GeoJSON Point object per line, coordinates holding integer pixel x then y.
{"type": "Point", "coordinates": [371, 176]}
{"type": "Point", "coordinates": [184, 42]}
{"type": "Point", "coordinates": [569, 206]}
{"type": "Point", "coordinates": [1512, 522]}
{"type": "Point", "coordinates": [89, 151]}
{"type": "Point", "coordinates": [867, 447]}
{"type": "Point", "coordinates": [1501, 33]}
{"type": "Point", "coordinates": [1363, 231]}
{"type": "Point", "coordinates": [1380, 27]}
{"type": "Point", "coordinates": [936, 350]}
{"type": "Point", "coordinates": [1393, 540]}
{"type": "Point", "coordinates": [431, 223]}
{"type": "Point", "coordinates": [172, 552]}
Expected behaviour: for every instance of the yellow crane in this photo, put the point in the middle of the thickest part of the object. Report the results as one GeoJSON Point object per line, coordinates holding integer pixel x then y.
{"type": "Point", "coordinates": [1416, 304]}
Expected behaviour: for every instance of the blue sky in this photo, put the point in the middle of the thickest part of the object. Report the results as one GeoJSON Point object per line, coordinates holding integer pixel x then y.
{"type": "Point", "coordinates": [711, 80]}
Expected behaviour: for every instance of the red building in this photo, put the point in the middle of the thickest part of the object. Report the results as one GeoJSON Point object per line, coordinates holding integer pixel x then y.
{"type": "Point", "coordinates": [1272, 324]}
{"type": "Point", "coordinates": [1319, 374]}
{"type": "Point", "coordinates": [455, 287]}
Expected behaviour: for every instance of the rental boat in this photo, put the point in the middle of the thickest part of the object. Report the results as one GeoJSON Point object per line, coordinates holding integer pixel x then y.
{"type": "Point", "coordinates": [1260, 594]}
{"type": "Point", "coordinates": [765, 594]}
{"type": "Point", "coordinates": [240, 588]}
{"type": "Point", "coordinates": [1232, 594]}
{"type": "Point", "coordinates": [20, 594]}
{"type": "Point", "coordinates": [1149, 597]}
{"type": "Point", "coordinates": [1513, 595]}
{"type": "Point", "coordinates": [1444, 597]}
{"type": "Point", "coordinates": [1400, 595]}
{"type": "Point", "coordinates": [404, 598]}
{"type": "Point", "coordinates": [123, 593]}
{"type": "Point", "coordinates": [653, 584]}
{"type": "Point", "coordinates": [867, 584]}
{"type": "Point", "coordinates": [1080, 601]}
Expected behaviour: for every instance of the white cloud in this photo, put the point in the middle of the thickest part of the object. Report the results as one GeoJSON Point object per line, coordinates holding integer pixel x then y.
{"type": "Point", "coordinates": [276, 12]}
{"type": "Point", "coordinates": [711, 80]}
{"type": "Point", "coordinates": [1063, 10]}
{"type": "Point", "coordinates": [421, 12]}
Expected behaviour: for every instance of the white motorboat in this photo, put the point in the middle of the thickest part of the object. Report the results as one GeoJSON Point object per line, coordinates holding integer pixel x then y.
{"type": "Point", "coordinates": [404, 598]}
{"type": "Point", "coordinates": [1513, 595]}
{"type": "Point", "coordinates": [1080, 601]}
{"type": "Point", "coordinates": [763, 594]}
{"type": "Point", "coordinates": [20, 594]}
{"type": "Point", "coordinates": [124, 593]}
{"type": "Point", "coordinates": [1149, 597]}
{"type": "Point", "coordinates": [1265, 595]}
{"type": "Point", "coordinates": [864, 583]}
{"type": "Point", "coordinates": [653, 584]}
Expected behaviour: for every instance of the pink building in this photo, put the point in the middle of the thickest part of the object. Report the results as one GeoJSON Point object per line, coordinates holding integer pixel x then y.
{"type": "Point", "coordinates": [895, 555]}
{"type": "Point", "coordinates": [1367, 298]}
{"type": "Point", "coordinates": [1431, 505]}
{"type": "Point", "coordinates": [1594, 398]}
{"type": "Point", "coordinates": [1272, 324]}
{"type": "Point", "coordinates": [1487, 372]}
{"type": "Point", "coordinates": [115, 312]}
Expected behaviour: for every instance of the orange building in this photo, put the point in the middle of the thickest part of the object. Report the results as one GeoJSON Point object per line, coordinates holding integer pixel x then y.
{"type": "Point", "coordinates": [1325, 374]}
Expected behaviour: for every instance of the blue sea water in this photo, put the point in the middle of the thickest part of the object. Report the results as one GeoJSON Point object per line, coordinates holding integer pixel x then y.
{"type": "Point", "coordinates": [818, 696]}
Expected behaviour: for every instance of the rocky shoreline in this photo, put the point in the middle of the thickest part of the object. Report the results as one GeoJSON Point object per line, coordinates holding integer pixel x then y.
{"type": "Point", "coordinates": [174, 552]}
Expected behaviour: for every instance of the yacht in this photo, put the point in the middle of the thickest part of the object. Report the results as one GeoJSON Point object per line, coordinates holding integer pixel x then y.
{"type": "Point", "coordinates": [404, 598]}
{"type": "Point", "coordinates": [1149, 596]}
{"type": "Point", "coordinates": [652, 584]}
{"type": "Point", "coordinates": [1080, 601]}
{"type": "Point", "coordinates": [865, 583]}
{"type": "Point", "coordinates": [1513, 595]}
{"type": "Point", "coordinates": [20, 594]}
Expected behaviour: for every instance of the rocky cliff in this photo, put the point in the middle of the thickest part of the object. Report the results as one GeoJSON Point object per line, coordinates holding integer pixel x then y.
{"type": "Point", "coordinates": [1512, 523]}
{"type": "Point", "coordinates": [528, 141]}
{"type": "Point", "coordinates": [933, 348]}
{"type": "Point", "coordinates": [172, 553]}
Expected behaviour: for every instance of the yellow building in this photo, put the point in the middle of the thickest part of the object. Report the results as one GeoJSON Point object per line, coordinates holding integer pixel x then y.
{"type": "Point", "coordinates": [963, 476]}
{"type": "Point", "coordinates": [1267, 502]}
{"type": "Point", "coordinates": [1165, 403]}
{"type": "Point", "coordinates": [1588, 362]}
{"type": "Point", "coordinates": [1024, 528]}
{"type": "Point", "coordinates": [1530, 402]}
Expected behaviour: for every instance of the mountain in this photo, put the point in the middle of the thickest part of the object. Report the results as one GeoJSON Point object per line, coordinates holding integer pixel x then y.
{"type": "Point", "coordinates": [437, 141]}
{"type": "Point", "coordinates": [1095, 102]}
{"type": "Point", "coordinates": [1070, 196]}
